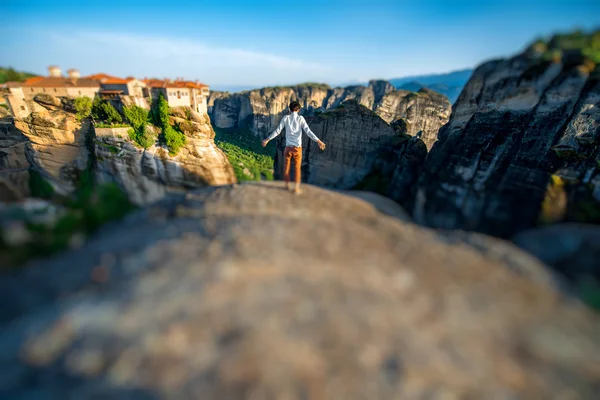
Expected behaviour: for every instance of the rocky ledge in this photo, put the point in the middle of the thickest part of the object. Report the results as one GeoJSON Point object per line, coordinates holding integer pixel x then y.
{"type": "Point", "coordinates": [251, 292]}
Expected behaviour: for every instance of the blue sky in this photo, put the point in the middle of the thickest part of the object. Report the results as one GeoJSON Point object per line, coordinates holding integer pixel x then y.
{"type": "Point", "coordinates": [257, 43]}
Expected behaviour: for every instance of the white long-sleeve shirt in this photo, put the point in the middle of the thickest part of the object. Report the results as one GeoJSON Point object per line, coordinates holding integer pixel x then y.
{"type": "Point", "coordinates": [293, 124]}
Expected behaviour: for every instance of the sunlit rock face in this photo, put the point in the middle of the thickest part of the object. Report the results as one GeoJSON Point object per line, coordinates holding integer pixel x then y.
{"type": "Point", "coordinates": [518, 122]}
{"type": "Point", "coordinates": [51, 141]}
{"type": "Point", "coordinates": [147, 174]}
{"type": "Point", "coordinates": [261, 110]}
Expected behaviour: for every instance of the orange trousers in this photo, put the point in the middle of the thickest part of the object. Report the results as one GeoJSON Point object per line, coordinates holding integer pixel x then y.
{"type": "Point", "coordinates": [292, 154]}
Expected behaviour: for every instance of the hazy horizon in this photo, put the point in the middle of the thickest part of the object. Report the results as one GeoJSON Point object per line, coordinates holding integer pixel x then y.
{"type": "Point", "coordinates": [267, 43]}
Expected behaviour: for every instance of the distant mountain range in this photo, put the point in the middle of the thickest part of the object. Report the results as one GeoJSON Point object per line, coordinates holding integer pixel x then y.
{"type": "Point", "coordinates": [449, 84]}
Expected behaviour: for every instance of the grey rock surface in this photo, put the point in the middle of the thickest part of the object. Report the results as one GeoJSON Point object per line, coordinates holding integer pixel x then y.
{"type": "Point", "coordinates": [572, 249]}
{"type": "Point", "coordinates": [251, 292]}
{"type": "Point", "coordinates": [517, 122]}
{"type": "Point", "coordinates": [14, 162]}
{"type": "Point", "coordinates": [361, 147]}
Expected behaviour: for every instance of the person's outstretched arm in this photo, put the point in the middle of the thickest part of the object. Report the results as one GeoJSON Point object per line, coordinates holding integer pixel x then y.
{"type": "Point", "coordinates": [310, 133]}
{"type": "Point", "coordinates": [275, 133]}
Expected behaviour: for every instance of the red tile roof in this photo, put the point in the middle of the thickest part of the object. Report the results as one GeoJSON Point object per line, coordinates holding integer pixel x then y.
{"type": "Point", "coordinates": [157, 83]}
{"type": "Point", "coordinates": [40, 81]}
{"type": "Point", "coordinates": [100, 77]}
{"type": "Point", "coordinates": [34, 79]}
{"type": "Point", "coordinates": [114, 81]}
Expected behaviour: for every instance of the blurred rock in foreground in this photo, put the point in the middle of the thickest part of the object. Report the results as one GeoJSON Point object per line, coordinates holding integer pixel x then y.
{"type": "Point", "coordinates": [249, 292]}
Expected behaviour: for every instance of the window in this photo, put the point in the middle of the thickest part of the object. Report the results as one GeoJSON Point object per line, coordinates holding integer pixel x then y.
{"type": "Point", "coordinates": [79, 92]}
{"type": "Point", "coordinates": [44, 90]}
{"type": "Point", "coordinates": [23, 108]}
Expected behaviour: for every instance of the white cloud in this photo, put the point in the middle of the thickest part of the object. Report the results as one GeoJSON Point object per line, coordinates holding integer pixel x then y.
{"type": "Point", "coordinates": [168, 56]}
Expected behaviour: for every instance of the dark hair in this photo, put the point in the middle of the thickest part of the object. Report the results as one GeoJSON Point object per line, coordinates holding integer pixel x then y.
{"type": "Point", "coordinates": [294, 106]}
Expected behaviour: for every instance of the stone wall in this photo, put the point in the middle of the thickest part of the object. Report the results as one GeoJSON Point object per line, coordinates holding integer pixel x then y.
{"type": "Point", "coordinates": [30, 92]}
{"type": "Point", "coordinates": [82, 92]}
{"type": "Point", "coordinates": [17, 105]}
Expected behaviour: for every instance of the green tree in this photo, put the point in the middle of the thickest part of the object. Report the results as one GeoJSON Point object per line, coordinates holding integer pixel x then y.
{"type": "Point", "coordinates": [142, 137]}
{"type": "Point", "coordinates": [174, 139]}
{"type": "Point", "coordinates": [137, 116]}
{"type": "Point", "coordinates": [83, 105]}
{"type": "Point", "coordinates": [102, 110]}
{"type": "Point", "coordinates": [12, 75]}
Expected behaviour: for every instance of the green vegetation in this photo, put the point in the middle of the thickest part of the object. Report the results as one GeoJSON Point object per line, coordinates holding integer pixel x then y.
{"type": "Point", "coordinates": [83, 105]}
{"type": "Point", "coordinates": [10, 75]}
{"type": "Point", "coordinates": [4, 105]}
{"type": "Point", "coordinates": [103, 111]}
{"type": "Point", "coordinates": [314, 85]}
{"type": "Point", "coordinates": [38, 186]}
{"type": "Point", "coordinates": [245, 151]}
{"type": "Point", "coordinates": [107, 125]}
{"type": "Point", "coordinates": [588, 290]}
{"type": "Point", "coordinates": [173, 138]}
{"type": "Point", "coordinates": [92, 206]}
{"type": "Point", "coordinates": [587, 45]}
{"type": "Point", "coordinates": [111, 148]}
{"type": "Point", "coordinates": [138, 118]}
{"type": "Point", "coordinates": [143, 138]}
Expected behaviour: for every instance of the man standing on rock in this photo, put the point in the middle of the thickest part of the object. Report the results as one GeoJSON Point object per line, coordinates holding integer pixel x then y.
{"type": "Point", "coordinates": [293, 124]}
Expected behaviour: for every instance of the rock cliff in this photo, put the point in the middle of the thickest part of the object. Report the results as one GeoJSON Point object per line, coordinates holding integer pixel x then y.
{"type": "Point", "coordinates": [53, 143]}
{"type": "Point", "coordinates": [50, 141]}
{"type": "Point", "coordinates": [147, 174]}
{"type": "Point", "coordinates": [363, 152]}
{"type": "Point", "coordinates": [518, 122]}
{"type": "Point", "coordinates": [261, 110]}
{"type": "Point", "coordinates": [211, 294]}
{"type": "Point", "coordinates": [14, 164]}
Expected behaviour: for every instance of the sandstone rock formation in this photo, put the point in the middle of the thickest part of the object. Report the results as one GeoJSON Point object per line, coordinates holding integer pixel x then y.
{"type": "Point", "coordinates": [363, 152]}
{"type": "Point", "coordinates": [517, 122]}
{"type": "Point", "coordinates": [49, 140]}
{"type": "Point", "coordinates": [424, 111]}
{"type": "Point", "coordinates": [147, 174]}
{"type": "Point", "coordinates": [213, 295]}
{"type": "Point", "coordinates": [261, 110]}
{"type": "Point", "coordinates": [52, 142]}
